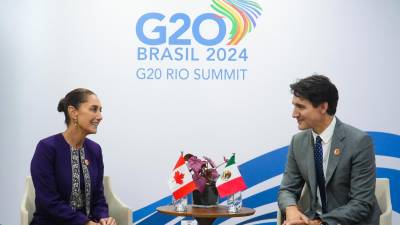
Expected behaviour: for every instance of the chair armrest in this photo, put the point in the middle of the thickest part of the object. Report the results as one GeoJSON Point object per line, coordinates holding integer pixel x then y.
{"type": "Point", "coordinates": [386, 218]}
{"type": "Point", "coordinates": [117, 209]}
{"type": "Point", "coordinates": [24, 214]}
{"type": "Point", "coordinates": [278, 216]}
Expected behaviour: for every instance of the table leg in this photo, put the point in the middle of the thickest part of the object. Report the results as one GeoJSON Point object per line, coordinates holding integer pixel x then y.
{"type": "Point", "coordinates": [205, 221]}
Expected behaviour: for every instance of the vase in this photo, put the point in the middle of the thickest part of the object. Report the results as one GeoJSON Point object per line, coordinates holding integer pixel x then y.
{"type": "Point", "coordinates": [209, 196]}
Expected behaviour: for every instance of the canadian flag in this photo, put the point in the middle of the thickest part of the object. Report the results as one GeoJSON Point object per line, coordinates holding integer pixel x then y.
{"type": "Point", "coordinates": [181, 182]}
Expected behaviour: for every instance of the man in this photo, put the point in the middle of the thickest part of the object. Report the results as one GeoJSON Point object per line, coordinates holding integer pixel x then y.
{"type": "Point", "coordinates": [333, 161]}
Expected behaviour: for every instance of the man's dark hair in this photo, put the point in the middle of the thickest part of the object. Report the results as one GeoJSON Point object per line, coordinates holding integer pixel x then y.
{"type": "Point", "coordinates": [317, 89]}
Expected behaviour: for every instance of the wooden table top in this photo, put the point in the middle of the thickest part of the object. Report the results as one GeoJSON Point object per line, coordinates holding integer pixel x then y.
{"type": "Point", "coordinates": [213, 212]}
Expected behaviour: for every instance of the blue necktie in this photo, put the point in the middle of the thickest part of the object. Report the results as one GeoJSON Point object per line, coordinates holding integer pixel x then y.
{"type": "Point", "coordinates": [319, 170]}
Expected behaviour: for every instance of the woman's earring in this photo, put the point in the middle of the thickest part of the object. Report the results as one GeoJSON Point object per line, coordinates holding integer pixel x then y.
{"type": "Point", "coordinates": [76, 122]}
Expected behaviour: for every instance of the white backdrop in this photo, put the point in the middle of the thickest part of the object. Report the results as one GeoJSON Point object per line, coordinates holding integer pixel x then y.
{"type": "Point", "coordinates": [49, 47]}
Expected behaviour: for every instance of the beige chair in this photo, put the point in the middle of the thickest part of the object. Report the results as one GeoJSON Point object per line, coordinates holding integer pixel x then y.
{"type": "Point", "coordinates": [117, 209]}
{"type": "Point", "coordinates": [382, 193]}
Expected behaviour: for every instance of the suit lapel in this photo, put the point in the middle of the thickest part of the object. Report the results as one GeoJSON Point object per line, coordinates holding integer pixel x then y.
{"type": "Point", "coordinates": [336, 150]}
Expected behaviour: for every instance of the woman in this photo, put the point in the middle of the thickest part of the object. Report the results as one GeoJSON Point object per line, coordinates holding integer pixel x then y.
{"type": "Point", "coordinates": [67, 168]}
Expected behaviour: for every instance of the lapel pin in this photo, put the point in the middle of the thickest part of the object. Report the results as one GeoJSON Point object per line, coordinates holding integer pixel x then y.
{"type": "Point", "coordinates": [86, 162]}
{"type": "Point", "coordinates": [337, 152]}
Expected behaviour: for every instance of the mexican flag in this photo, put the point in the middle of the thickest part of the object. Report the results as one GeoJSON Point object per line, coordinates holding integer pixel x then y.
{"type": "Point", "coordinates": [181, 182]}
{"type": "Point", "coordinates": [230, 180]}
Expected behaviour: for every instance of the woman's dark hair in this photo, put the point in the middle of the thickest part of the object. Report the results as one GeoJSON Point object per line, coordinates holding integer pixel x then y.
{"type": "Point", "coordinates": [317, 89]}
{"type": "Point", "coordinates": [74, 98]}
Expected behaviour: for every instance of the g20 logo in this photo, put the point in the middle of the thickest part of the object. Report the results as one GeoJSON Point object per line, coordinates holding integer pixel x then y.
{"type": "Point", "coordinates": [242, 15]}
{"type": "Point", "coordinates": [176, 37]}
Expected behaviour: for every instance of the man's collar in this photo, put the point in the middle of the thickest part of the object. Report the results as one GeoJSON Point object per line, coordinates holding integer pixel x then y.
{"type": "Point", "coordinates": [327, 134]}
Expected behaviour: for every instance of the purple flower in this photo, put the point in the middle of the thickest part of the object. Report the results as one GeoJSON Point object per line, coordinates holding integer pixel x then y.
{"type": "Point", "coordinates": [203, 171]}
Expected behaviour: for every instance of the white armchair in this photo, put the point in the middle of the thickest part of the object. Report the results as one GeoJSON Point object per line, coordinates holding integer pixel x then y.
{"type": "Point", "coordinates": [117, 209]}
{"type": "Point", "coordinates": [28, 202]}
{"type": "Point", "coordinates": [382, 193]}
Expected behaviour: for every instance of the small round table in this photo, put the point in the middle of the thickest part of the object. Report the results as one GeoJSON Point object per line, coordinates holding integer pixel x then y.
{"type": "Point", "coordinates": [206, 216]}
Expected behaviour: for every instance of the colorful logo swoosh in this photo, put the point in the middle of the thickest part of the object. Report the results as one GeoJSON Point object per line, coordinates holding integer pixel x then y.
{"type": "Point", "coordinates": [241, 13]}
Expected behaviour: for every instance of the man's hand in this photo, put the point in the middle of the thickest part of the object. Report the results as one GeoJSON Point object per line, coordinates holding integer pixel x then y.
{"type": "Point", "coordinates": [302, 222]}
{"type": "Point", "coordinates": [108, 221]}
{"type": "Point", "coordinates": [315, 222]}
{"type": "Point", "coordinates": [296, 222]}
{"type": "Point", "coordinates": [294, 214]}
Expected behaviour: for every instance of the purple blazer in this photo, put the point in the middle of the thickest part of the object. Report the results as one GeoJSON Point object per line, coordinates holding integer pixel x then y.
{"type": "Point", "coordinates": [51, 172]}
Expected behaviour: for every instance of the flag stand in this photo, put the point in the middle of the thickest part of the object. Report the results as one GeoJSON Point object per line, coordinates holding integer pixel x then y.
{"type": "Point", "coordinates": [180, 205]}
{"type": "Point", "coordinates": [234, 202]}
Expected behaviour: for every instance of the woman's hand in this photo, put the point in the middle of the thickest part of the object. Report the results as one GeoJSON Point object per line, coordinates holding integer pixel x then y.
{"type": "Point", "coordinates": [91, 223]}
{"type": "Point", "coordinates": [108, 221]}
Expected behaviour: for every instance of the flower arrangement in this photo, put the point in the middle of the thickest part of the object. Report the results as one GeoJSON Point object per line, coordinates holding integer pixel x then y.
{"type": "Point", "coordinates": [204, 172]}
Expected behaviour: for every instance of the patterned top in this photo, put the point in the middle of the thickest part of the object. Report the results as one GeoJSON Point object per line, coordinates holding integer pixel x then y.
{"type": "Point", "coordinates": [80, 197]}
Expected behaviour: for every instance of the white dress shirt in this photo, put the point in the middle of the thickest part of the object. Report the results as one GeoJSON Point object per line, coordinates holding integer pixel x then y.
{"type": "Point", "coordinates": [326, 137]}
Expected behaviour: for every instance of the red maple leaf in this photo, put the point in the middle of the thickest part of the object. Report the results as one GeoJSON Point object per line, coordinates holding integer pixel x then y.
{"type": "Point", "coordinates": [179, 177]}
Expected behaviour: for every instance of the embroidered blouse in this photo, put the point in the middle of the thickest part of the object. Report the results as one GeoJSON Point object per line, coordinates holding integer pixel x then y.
{"type": "Point", "coordinates": [80, 196]}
